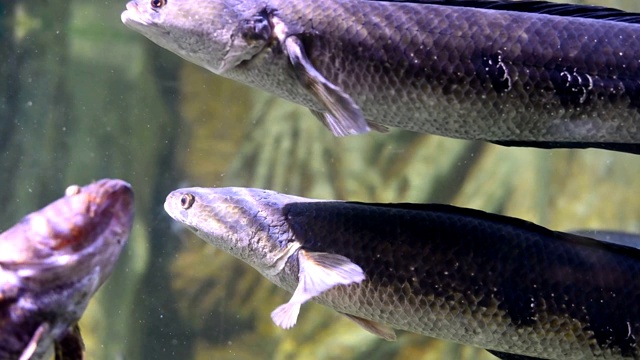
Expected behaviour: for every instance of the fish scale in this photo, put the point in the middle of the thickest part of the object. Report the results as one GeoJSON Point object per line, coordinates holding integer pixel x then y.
{"type": "Point", "coordinates": [471, 71]}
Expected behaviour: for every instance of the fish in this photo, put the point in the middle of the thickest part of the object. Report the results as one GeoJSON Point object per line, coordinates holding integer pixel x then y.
{"type": "Point", "coordinates": [504, 284]}
{"type": "Point", "coordinates": [516, 73]}
{"type": "Point", "coordinates": [53, 261]}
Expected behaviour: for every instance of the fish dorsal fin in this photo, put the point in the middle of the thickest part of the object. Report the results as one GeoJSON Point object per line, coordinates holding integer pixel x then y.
{"type": "Point", "coordinates": [613, 244]}
{"type": "Point", "coordinates": [318, 272]}
{"type": "Point", "coordinates": [538, 7]}
{"type": "Point", "coordinates": [626, 243]}
{"type": "Point", "coordinates": [611, 237]}
{"type": "Point", "coordinates": [373, 327]}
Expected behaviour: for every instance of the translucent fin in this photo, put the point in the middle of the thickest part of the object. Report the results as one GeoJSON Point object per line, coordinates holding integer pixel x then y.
{"type": "Point", "coordinates": [318, 273]}
{"type": "Point", "coordinates": [32, 346]}
{"type": "Point", "coordinates": [611, 236]}
{"type": "Point", "coordinates": [343, 116]}
{"type": "Point", "coordinates": [286, 315]}
{"type": "Point", "coordinates": [378, 127]}
{"type": "Point", "coordinates": [373, 327]}
{"type": "Point", "coordinates": [326, 119]}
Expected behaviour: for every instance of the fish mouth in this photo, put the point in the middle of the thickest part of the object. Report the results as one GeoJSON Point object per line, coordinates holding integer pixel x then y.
{"type": "Point", "coordinates": [102, 229]}
{"type": "Point", "coordinates": [134, 15]}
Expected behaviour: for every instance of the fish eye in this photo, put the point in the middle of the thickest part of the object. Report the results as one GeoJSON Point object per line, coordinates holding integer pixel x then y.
{"type": "Point", "coordinates": [186, 201]}
{"type": "Point", "coordinates": [72, 190]}
{"type": "Point", "coordinates": [156, 4]}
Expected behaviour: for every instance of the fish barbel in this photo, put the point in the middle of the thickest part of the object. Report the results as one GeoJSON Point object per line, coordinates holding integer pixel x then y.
{"type": "Point", "coordinates": [529, 73]}
{"type": "Point", "coordinates": [464, 275]}
{"type": "Point", "coordinates": [51, 264]}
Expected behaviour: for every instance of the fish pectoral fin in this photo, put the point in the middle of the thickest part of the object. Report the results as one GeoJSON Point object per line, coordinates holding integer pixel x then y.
{"type": "Point", "coordinates": [286, 315]}
{"type": "Point", "coordinates": [373, 327]}
{"type": "Point", "coordinates": [378, 127]}
{"type": "Point", "coordinates": [327, 120]}
{"type": "Point", "coordinates": [33, 343]}
{"type": "Point", "coordinates": [318, 272]}
{"type": "Point", "coordinates": [343, 117]}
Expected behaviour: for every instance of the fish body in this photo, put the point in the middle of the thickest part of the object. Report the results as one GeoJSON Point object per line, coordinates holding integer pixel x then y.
{"type": "Point", "coordinates": [463, 275]}
{"type": "Point", "coordinates": [531, 73]}
{"type": "Point", "coordinates": [51, 264]}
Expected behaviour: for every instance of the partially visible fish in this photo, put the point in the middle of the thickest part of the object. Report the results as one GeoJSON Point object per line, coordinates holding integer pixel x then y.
{"type": "Point", "coordinates": [496, 282]}
{"type": "Point", "coordinates": [51, 264]}
{"type": "Point", "coordinates": [518, 73]}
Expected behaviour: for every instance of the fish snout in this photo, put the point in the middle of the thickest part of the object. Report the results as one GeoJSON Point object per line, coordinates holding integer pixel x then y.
{"type": "Point", "coordinates": [134, 15]}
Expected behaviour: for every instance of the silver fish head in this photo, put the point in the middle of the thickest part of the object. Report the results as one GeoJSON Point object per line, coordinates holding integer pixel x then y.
{"type": "Point", "coordinates": [242, 222]}
{"type": "Point", "coordinates": [215, 34]}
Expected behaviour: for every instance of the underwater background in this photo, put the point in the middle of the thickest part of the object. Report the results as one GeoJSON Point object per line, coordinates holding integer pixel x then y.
{"type": "Point", "coordinates": [82, 97]}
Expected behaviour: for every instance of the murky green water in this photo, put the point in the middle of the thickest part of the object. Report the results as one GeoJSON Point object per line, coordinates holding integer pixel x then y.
{"type": "Point", "coordinates": [82, 98]}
